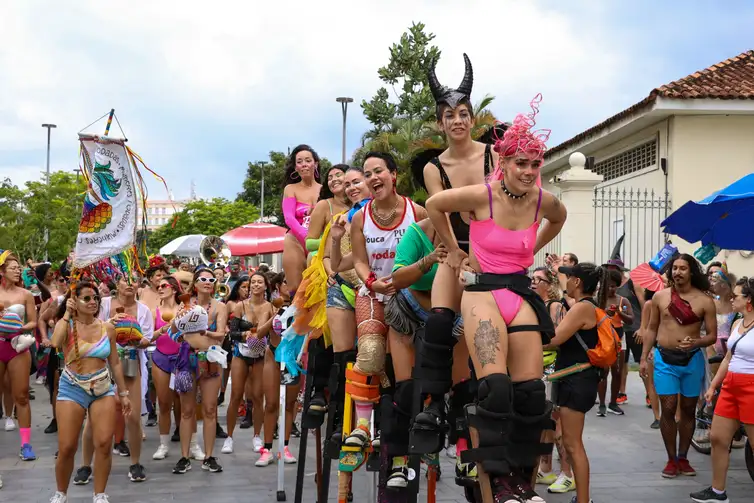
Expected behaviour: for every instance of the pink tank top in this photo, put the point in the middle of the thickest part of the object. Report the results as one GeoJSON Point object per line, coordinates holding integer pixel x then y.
{"type": "Point", "coordinates": [165, 344]}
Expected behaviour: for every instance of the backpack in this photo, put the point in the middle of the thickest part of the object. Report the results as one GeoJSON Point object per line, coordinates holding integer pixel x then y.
{"type": "Point", "coordinates": [608, 347]}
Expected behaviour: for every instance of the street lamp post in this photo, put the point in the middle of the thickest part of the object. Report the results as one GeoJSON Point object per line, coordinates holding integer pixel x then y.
{"type": "Point", "coordinates": [344, 101]}
{"type": "Point", "coordinates": [47, 202]}
{"type": "Point", "coordinates": [262, 165]}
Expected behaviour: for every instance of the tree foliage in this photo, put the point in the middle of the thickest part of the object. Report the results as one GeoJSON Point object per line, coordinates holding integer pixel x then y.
{"type": "Point", "coordinates": [25, 213]}
{"type": "Point", "coordinates": [211, 217]}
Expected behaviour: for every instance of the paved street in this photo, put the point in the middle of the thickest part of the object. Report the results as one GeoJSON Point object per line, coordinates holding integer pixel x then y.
{"type": "Point", "coordinates": [626, 458]}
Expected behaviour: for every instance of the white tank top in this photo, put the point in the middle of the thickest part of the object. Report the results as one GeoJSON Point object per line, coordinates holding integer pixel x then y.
{"type": "Point", "coordinates": [382, 242]}
{"type": "Point", "coordinates": [743, 359]}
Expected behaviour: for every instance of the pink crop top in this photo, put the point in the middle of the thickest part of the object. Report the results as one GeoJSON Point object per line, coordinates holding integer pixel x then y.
{"type": "Point", "coordinates": [296, 216]}
{"type": "Point", "coordinates": [165, 344]}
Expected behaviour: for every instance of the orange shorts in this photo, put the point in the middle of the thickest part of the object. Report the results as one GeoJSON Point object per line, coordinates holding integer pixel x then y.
{"type": "Point", "coordinates": [736, 399]}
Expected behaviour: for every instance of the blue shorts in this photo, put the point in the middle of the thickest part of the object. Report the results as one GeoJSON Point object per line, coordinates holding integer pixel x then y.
{"type": "Point", "coordinates": [337, 299]}
{"type": "Point", "coordinates": [673, 379]}
{"type": "Point", "coordinates": [71, 392]}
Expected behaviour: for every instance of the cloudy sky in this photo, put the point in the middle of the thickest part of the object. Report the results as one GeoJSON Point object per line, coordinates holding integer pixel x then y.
{"type": "Point", "coordinates": [201, 88]}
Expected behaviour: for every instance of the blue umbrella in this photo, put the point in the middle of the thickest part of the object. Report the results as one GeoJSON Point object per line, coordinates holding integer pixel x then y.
{"type": "Point", "coordinates": [723, 219]}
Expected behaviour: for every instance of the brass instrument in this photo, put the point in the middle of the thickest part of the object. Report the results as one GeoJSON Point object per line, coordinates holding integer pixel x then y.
{"type": "Point", "coordinates": [214, 252]}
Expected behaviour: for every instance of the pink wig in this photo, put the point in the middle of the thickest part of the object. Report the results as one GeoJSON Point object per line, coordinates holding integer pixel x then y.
{"type": "Point", "coordinates": [521, 139]}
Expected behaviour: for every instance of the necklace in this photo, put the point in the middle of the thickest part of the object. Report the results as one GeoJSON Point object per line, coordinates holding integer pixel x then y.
{"type": "Point", "coordinates": [384, 220]}
{"type": "Point", "coordinates": [747, 327]}
{"type": "Point", "coordinates": [511, 194]}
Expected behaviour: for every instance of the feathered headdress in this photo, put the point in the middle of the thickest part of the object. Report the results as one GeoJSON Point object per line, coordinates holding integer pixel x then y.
{"type": "Point", "coordinates": [156, 261]}
{"type": "Point", "coordinates": [446, 95]}
{"type": "Point", "coordinates": [4, 254]}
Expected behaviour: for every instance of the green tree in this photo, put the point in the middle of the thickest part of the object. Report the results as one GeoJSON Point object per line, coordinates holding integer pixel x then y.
{"type": "Point", "coordinates": [274, 182]}
{"type": "Point", "coordinates": [212, 217]}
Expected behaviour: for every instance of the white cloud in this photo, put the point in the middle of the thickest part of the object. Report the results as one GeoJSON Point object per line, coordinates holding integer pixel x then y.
{"type": "Point", "coordinates": [273, 69]}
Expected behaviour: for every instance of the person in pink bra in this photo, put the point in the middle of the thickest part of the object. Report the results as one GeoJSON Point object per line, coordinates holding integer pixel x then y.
{"type": "Point", "coordinates": [300, 194]}
{"type": "Point", "coordinates": [506, 323]}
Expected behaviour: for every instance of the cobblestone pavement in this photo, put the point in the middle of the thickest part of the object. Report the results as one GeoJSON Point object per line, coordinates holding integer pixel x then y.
{"type": "Point", "coordinates": [626, 459]}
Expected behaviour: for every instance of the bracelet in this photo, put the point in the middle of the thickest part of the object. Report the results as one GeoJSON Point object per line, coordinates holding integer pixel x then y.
{"type": "Point", "coordinates": [123, 393]}
{"type": "Point", "coordinates": [370, 280]}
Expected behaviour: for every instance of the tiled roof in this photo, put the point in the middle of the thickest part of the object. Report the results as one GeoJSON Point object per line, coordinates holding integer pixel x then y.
{"type": "Point", "coordinates": [732, 79]}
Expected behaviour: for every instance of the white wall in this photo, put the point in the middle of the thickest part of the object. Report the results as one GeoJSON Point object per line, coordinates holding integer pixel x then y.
{"type": "Point", "coordinates": [707, 154]}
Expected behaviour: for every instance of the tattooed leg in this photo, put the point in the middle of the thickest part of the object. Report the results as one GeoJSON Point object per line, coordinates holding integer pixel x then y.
{"type": "Point", "coordinates": [486, 335]}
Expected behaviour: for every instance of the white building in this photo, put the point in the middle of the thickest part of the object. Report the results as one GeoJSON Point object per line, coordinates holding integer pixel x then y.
{"type": "Point", "coordinates": [682, 142]}
{"type": "Point", "coordinates": [160, 212]}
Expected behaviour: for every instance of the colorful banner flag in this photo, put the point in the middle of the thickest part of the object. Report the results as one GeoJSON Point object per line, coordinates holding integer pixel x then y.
{"type": "Point", "coordinates": [108, 220]}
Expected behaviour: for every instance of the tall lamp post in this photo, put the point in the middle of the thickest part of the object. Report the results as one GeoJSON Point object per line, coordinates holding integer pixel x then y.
{"type": "Point", "coordinates": [262, 165]}
{"type": "Point", "coordinates": [47, 202]}
{"type": "Point", "coordinates": [344, 106]}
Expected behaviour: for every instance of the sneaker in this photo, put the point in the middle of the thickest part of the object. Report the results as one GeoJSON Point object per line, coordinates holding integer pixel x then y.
{"type": "Point", "coordinates": [83, 476]}
{"type": "Point", "coordinates": [211, 465]}
{"type": "Point", "coordinates": [613, 408]}
{"type": "Point", "coordinates": [288, 458]}
{"type": "Point", "coordinates": [161, 452]}
{"type": "Point", "coordinates": [176, 436]}
{"type": "Point", "coordinates": [196, 452]}
{"type": "Point", "coordinates": [655, 424]}
{"type": "Point", "coordinates": [121, 449]}
{"type": "Point", "coordinates": [59, 497]}
{"type": "Point", "coordinates": [671, 470]}
{"type": "Point", "coordinates": [398, 478]}
{"type": "Point", "coordinates": [265, 457]}
{"type": "Point", "coordinates": [622, 398]}
{"type": "Point", "coordinates": [684, 468]}
{"type": "Point", "coordinates": [376, 441]}
{"type": "Point", "coordinates": [136, 473]}
{"type": "Point", "coordinates": [10, 425]}
{"type": "Point", "coordinates": [465, 470]}
{"type": "Point", "coordinates": [40, 380]}
{"type": "Point", "coordinates": [546, 478]}
{"type": "Point", "coordinates": [563, 484]}
{"type": "Point", "coordinates": [601, 411]}
{"type": "Point", "coordinates": [227, 446]}
{"type": "Point", "coordinates": [257, 443]}
{"type": "Point", "coordinates": [182, 466]}
{"type": "Point", "coordinates": [318, 404]}
{"type": "Point", "coordinates": [52, 427]}
{"type": "Point", "coordinates": [246, 423]}
{"type": "Point", "coordinates": [359, 436]}
{"type": "Point", "coordinates": [525, 491]}
{"type": "Point", "coordinates": [219, 432]}
{"type": "Point", "coordinates": [101, 498]}
{"type": "Point", "coordinates": [221, 398]}
{"type": "Point", "coordinates": [709, 496]}
{"type": "Point", "coordinates": [450, 451]}
{"type": "Point", "coordinates": [738, 444]}
{"type": "Point", "coordinates": [27, 453]}
{"type": "Point", "coordinates": [152, 420]}
{"type": "Point", "coordinates": [295, 431]}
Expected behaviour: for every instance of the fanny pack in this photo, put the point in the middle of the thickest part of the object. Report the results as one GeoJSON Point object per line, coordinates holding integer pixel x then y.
{"type": "Point", "coordinates": [349, 291]}
{"type": "Point", "coordinates": [681, 310]}
{"type": "Point", "coordinates": [677, 357]}
{"type": "Point", "coordinates": [96, 384]}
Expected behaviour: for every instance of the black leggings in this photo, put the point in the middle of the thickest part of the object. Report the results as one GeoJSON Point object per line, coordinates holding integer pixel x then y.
{"type": "Point", "coordinates": [632, 348]}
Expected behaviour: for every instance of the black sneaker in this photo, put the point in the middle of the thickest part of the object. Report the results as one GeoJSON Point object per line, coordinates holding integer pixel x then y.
{"type": "Point", "coordinates": [614, 408]}
{"type": "Point", "coordinates": [655, 424]}
{"type": "Point", "coordinates": [182, 466]}
{"type": "Point", "coordinates": [52, 427]}
{"type": "Point", "coordinates": [601, 411]}
{"type": "Point", "coordinates": [176, 435]}
{"type": "Point", "coordinates": [152, 419]}
{"type": "Point", "coordinates": [220, 398]}
{"type": "Point", "coordinates": [136, 473]}
{"type": "Point", "coordinates": [212, 465]}
{"type": "Point", "coordinates": [83, 476]}
{"type": "Point", "coordinates": [247, 422]}
{"type": "Point", "coordinates": [318, 404]}
{"type": "Point", "coordinates": [709, 496]}
{"type": "Point", "coordinates": [121, 449]}
{"type": "Point", "coordinates": [219, 432]}
{"type": "Point", "coordinates": [432, 416]}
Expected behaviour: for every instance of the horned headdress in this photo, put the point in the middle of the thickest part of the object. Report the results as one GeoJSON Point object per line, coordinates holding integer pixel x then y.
{"type": "Point", "coordinates": [446, 95]}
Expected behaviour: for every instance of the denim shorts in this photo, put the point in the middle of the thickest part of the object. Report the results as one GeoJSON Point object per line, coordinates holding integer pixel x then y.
{"type": "Point", "coordinates": [336, 298]}
{"type": "Point", "coordinates": [72, 392]}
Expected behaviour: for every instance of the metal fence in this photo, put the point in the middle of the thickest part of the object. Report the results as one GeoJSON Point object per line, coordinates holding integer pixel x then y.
{"type": "Point", "coordinates": [553, 247]}
{"type": "Point", "coordinates": [635, 213]}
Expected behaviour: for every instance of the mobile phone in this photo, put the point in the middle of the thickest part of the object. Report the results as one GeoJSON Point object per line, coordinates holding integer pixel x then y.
{"type": "Point", "coordinates": [469, 278]}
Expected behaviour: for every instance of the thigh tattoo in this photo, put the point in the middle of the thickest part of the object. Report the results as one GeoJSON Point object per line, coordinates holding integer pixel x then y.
{"type": "Point", "coordinates": [486, 339]}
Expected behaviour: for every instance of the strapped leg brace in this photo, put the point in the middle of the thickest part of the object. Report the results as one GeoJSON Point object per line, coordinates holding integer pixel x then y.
{"type": "Point", "coordinates": [337, 395]}
{"type": "Point", "coordinates": [320, 361]}
{"type": "Point", "coordinates": [533, 416]}
{"type": "Point", "coordinates": [396, 422]}
{"type": "Point", "coordinates": [463, 394]}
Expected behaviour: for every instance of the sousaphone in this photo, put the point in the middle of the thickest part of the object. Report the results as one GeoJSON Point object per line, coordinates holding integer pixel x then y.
{"type": "Point", "coordinates": [215, 252]}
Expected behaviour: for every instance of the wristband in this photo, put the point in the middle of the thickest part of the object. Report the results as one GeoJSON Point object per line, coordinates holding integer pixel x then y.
{"type": "Point", "coordinates": [123, 393]}
{"type": "Point", "coordinates": [370, 281]}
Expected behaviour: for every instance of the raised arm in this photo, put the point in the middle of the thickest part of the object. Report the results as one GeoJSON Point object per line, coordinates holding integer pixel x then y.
{"type": "Point", "coordinates": [465, 199]}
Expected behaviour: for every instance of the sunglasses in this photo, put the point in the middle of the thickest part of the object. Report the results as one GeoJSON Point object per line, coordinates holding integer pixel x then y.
{"type": "Point", "coordinates": [164, 285]}
{"type": "Point", "coordinates": [205, 279]}
{"type": "Point", "coordinates": [88, 298]}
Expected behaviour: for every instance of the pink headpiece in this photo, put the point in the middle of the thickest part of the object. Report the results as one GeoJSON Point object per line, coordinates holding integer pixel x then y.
{"type": "Point", "coordinates": [521, 139]}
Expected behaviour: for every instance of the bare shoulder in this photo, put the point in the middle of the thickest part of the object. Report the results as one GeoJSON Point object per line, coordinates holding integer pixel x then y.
{"type": "Point", "coordinates": [358, 219]}
{"type": "Point", "coordinates": [290, 190]}
{"type": "Point", "coordinates": [661, 299]}
{"type": "Point", "coordinates": [420, 211]}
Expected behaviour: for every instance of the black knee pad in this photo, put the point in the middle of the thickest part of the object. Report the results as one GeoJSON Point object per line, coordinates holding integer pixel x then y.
{"type": "Point", "coordinates": [321, 360]}
{"type": "Point", "coordinates": [396, 418]}
{"type": "Point", "coordinates": [462, 394]}
{"type": "Point", "coordinates": [532, 417]}
{"type": "Point", "coordinates": [434, 349]}
{"type": "Point", "coordinates": [338, 373]}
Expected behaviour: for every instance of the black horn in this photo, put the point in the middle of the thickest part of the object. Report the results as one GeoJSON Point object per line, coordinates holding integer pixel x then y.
{"type": "Point", "coordinates": [468, 78]}
{"type": "Point", "coordinates": [434, 84]}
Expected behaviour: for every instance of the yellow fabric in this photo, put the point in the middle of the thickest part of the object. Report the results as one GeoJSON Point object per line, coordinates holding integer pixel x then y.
{"type": "Point", "coordinates": [311, 296]}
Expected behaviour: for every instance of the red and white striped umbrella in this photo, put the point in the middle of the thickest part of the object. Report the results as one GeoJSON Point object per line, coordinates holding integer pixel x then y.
{"type": "Point", "coordinates": [255, 239]}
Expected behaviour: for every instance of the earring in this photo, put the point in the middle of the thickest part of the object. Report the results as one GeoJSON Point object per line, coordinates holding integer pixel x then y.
{"type": "Point", "coordinates": [295, 176]}
{"type": "Point", "coordinates": [316, 172]}
{"type": "Point", "coordinates": [749, 308]}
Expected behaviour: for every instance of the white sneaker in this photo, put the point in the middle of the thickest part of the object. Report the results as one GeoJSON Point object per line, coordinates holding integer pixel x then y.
{"type": "Point", "coordinates": [101, 498]}
{"type": "Point", "coordinates": [265, 458]}
{"type": "Point", "coordinates": [10, 425]}
{"type": "Point", "coordinates": [450, 451]}
{"type": "Point", "coordinates": [197, 453]}
{"type": "Point", "coordinates": [40, 380]}
{"type": "Point", "coordinates": [227, 446]}
{"type": "Point", "coordinates": [257, 443]}
{"type": "Point", "coordinates": [59, 497]}
{"type": "Point", "coordinates": [161, 453]}
{"type": "Point", "coordinates": [288, 458]}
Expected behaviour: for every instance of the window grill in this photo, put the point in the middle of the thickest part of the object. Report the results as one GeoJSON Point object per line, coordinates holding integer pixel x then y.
{"type": "Point", "coordinates": [630, 161]}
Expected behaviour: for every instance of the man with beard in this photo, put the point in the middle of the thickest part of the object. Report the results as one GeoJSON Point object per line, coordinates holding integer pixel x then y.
{"type": "Point", "coordinates": [675, 324]}
{"type": "Point", "coordinates": [235, 273]}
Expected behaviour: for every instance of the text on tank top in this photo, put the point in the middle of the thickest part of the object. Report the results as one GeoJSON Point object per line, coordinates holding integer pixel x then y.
{"type": "Point", "coordinates": [382, 242]}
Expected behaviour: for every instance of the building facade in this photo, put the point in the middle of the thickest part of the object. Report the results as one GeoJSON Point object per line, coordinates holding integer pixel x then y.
{"type": "Point", "coordinates": [684, 141]}
{"type": "Point", "coordinates": [160, 212]}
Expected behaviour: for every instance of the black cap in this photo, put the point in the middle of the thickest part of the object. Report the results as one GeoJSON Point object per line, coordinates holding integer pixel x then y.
{"type": "Point", "coordinates": [588, 273]}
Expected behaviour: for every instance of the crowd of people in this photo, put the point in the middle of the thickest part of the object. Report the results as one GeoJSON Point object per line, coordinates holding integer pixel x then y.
{"type": "Point", "coordinates": [436, 302]}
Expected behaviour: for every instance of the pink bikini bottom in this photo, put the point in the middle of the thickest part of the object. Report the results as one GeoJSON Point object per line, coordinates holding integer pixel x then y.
{"type": "Point", "coordinates": [7, 353]}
